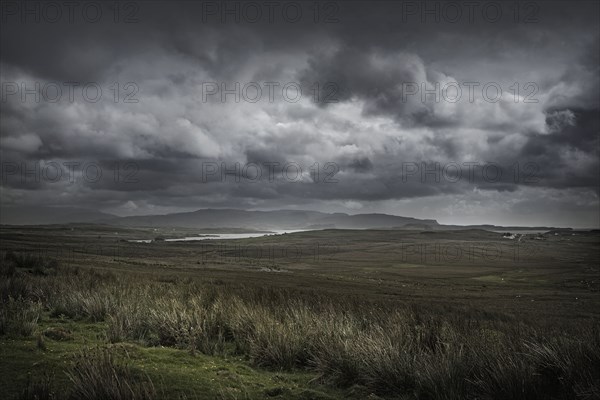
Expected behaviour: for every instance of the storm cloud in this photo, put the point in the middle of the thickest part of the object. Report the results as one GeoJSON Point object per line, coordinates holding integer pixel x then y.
{"type": "Point", "coordinates": [401, 107]}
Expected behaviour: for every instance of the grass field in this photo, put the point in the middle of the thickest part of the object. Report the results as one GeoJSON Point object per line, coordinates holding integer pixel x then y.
{"type": "Point", "coordinates": [87, 314]}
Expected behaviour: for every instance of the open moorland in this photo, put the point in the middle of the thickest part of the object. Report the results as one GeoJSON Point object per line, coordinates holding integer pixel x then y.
{"type": "Point", "coordinates": [91, 312]}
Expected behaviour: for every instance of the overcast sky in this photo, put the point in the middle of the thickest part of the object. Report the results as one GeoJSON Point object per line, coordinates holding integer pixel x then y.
{"type": "Point", "coordinates": [166, 138]}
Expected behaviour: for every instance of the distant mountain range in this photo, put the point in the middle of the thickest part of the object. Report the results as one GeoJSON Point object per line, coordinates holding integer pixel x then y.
{"type": "Point", "coordinates": [233, 218]}
{"type": "Point", "coordinates": [268, 220]}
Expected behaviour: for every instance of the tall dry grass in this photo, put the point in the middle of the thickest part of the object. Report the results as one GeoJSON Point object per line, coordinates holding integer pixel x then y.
{"type": "Point", "coordinates": [390, 348]}
{"type": "Point", "coordinates": [98, 374]}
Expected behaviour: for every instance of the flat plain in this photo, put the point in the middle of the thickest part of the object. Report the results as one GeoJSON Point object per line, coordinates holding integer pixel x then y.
{"type": "Point", "coordinates": [314, 314]}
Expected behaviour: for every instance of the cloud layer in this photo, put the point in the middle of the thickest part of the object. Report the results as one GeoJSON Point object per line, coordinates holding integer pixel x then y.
{"type": "Point", "coordinates": [195, 112]}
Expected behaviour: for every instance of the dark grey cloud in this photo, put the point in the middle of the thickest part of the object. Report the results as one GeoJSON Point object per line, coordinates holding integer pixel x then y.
{"type": "Point", "coordinates": [355, 132]}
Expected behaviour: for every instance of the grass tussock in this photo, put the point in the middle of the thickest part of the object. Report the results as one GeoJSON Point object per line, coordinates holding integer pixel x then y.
{"type": "Point", "coordinates": [100, 374]}
{"type": "Point", "coordinates": [38, 389]}
{"type": "Point", "coordinates": [19, 317]}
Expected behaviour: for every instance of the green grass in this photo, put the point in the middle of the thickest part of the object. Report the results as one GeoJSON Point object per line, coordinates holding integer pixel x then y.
{"type": "Point", "coordinates": [175, 373]}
